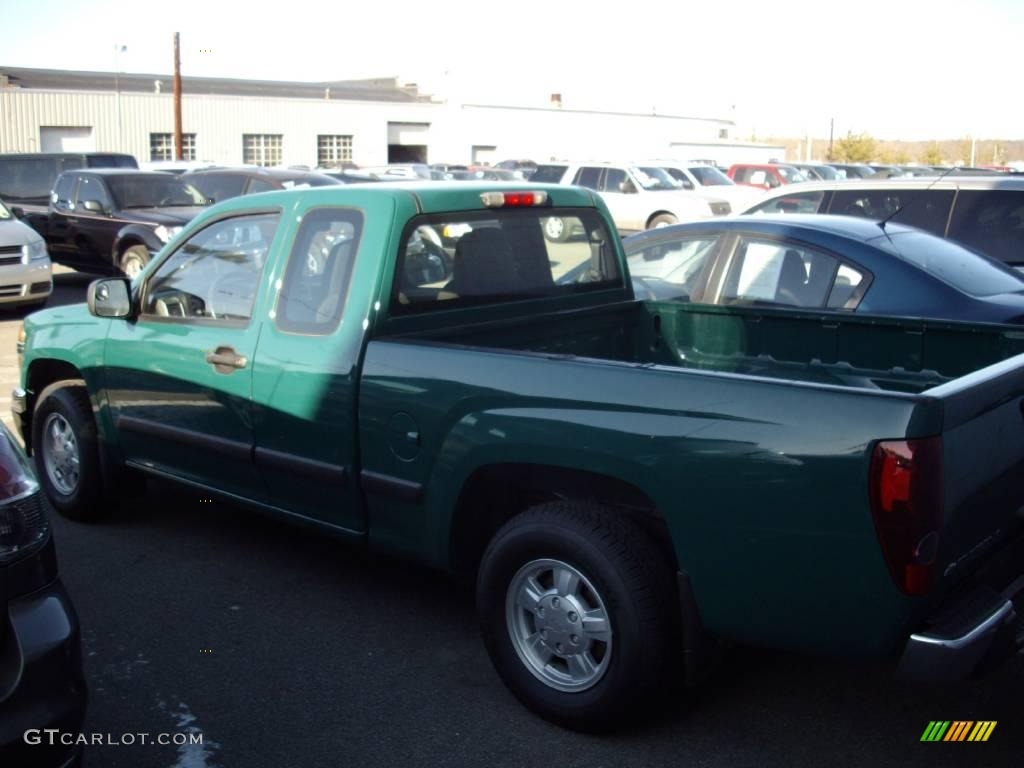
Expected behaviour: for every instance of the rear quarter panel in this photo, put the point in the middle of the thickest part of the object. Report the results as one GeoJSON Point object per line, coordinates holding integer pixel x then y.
{"type": "Point", "coordinates": [763, 484]}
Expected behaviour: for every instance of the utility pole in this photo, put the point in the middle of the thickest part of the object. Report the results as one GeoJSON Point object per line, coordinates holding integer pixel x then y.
{"type": "Point", "coordinates": [118, 48]}
{"type": "Point", "coordinates": [974, 147]}
{"type": "Point", "coordinates": [178, 149]}
{"type": "Point", "coordinates": [831, 133]}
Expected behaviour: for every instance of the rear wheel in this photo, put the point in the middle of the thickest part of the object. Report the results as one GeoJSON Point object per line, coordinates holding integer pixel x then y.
{"type": "Point", "coordinates": [66, 451]}
{"type": "Point", "coordinates": [578, 612]}
{"type": "Point", "coordinates": [662, 220]}
{"type": "Point", "coordinates": [134, 260]}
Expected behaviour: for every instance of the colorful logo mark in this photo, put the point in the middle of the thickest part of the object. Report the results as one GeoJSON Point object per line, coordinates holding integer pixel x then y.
{"type": "Point", "coordinates": [958, 730]}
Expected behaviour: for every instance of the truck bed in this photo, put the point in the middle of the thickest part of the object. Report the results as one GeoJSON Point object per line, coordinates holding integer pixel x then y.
{"type": "Point", "coordinates": [893, 354]}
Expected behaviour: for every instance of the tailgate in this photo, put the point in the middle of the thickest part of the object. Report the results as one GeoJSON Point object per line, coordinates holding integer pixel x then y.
{"type": "Point", "coordinates": [983, 466]}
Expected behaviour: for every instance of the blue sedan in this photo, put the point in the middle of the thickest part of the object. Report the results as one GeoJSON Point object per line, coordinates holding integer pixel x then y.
{"type": "Point", "coordinates": [831, 263]}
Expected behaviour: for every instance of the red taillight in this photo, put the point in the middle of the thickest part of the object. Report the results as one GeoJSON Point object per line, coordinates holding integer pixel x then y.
{"type": "Point", "coordinates": [906, 503]}
{"type": "Point", "coordinates": [513, 199]}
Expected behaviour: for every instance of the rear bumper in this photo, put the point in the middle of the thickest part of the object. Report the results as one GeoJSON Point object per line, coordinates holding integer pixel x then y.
{"type": "Point", "coordinates": [971, 637]}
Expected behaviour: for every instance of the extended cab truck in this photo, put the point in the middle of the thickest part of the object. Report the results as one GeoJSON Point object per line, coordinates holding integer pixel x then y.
{"type": "Point", "coordinates": [627, 480]}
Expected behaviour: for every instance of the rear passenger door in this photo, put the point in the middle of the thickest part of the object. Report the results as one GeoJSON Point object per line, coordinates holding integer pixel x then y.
{"type": "Point", "coordinates": [306, 374]}
{"type": "Point", "coordinates": [58, 232]}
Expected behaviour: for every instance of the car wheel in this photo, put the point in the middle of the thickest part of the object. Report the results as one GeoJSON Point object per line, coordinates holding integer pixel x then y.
{"type": "Point", "coordinates": [662, 220]}
{"type": "Point", "coordinates": [66, 451]}
{"type": "Point", "coordinates": [134, 260]}
{"type": "Point", "coordinates": [578, 612]}
{"type": "Point", "coordinates": [556, 229]}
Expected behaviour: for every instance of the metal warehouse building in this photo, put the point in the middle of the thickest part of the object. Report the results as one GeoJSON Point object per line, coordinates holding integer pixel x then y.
{"type": "Point", "coordinates": [370, 122]}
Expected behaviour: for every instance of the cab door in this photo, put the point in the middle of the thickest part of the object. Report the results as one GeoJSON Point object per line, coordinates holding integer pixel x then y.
{"type": "Point", "coordinates": [93, 232]}
{"type": "Point", "coordinates": [306, 375]}
{"type": "Point", "coordinates": [179, 377]}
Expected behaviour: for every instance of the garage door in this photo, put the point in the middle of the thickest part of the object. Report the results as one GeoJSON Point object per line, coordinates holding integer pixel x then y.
{"type": "Point", "coordinates": [66, 139]}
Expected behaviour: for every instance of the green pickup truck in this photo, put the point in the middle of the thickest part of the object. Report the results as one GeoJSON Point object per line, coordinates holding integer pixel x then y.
{"type": "Point", "coordinates": [633, 484]}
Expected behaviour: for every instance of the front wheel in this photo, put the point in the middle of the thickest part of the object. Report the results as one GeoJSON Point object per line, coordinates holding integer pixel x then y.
{"type": "Point", "coordinates": [557, 229]}
{"type": "Point", "coordinates": [578, 612]}
{"type": "Point", "coordinates": [662, 220]}
{"type": "Point", "coordinates": [66, 452]}
{"type": "Point", "coordinates": [134, 260]}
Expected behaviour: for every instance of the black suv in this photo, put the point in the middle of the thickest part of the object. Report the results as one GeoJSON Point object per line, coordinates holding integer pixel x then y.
{"type": "Point", "coordinates": [219, 184]}
{"type": "Point", "coordinates": [111, 220]}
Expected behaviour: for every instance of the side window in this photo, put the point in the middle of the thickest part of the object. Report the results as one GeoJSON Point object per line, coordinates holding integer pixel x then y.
{"type": "Point", "coordinates": [757, 177]}
{"type": "Point", "coordinates": [796, 202]}
{"type": "Point", "coordinates": [259, 185]}
{"type": "Point", "coordinates": [549, 174]}
{"type": "Point", "coordinates": [788, 274]}
{"type": "Point", "coordinates": [25, 178]}
{"type": "Point", "coordinates": [844, 293]}
{"type": "Point", "coordinates": [64, 193]}
{"type": "Point", "coordinates": [588, 176]}
{"type": "Point", "coordinates": [319, 269]}
{"type": "Point", "coordinates": [990, 221]}
{"type": "Point", "coordinates": [214, 275]}
{"type": "Point", "coordinates": [926, 209]}
{"type": "Point", "coordinates": [91, 188]}
{"type": "Point", "coordinates": [217, 186]}
{"type": "Point", "coordinates": [613, 178]}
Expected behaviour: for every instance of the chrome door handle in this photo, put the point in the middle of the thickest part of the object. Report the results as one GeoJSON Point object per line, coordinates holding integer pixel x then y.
{"type": "Point", "coordinates": [226, 360]}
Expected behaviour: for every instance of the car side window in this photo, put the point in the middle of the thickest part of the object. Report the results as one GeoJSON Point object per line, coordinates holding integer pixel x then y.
{"type": "Point", "coordinates": [319, 268]}
{"type": "Point", "coordinates": [214, 275]}
{"type": "Point", "coordinates": [796, 202]}
{"type": "Point", "coordinates": [588, 176]}
{"type": "Point", "coordinates": [64, 193]}
{"type": "Point", "coordinates": [217, 186]}
{"type": "Point", "coordinates": [772, 272]}
{"type": "Point", "coordinates": [757, 177]}
{"type": "Point", "coordinates": [741, 174]}
{"type": "Point", "coordinates": [847, 288]}
{"type": "Point", "coordinates": [990, 221]}
{"type": "Point", "coordinates": [259, 185]}
{"type": "Point", "coordinates": [613, 179]}
{"type": "Point", "coordinates": [927, 209]}
{"type": "Point", "coordinates": [91, 188]}
{"type": "Point", "coordinates": [683, 262]}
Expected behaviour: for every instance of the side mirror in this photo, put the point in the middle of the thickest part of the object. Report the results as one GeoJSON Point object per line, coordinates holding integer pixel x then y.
{"type": "Point", "coordinates": [18, 211]}
{"type": "Point", "coordinates": [95, 206]}
{"type": "Point", "coordinates": [110, 297]}
{"type": "Point", "coordinates": [627, 187]}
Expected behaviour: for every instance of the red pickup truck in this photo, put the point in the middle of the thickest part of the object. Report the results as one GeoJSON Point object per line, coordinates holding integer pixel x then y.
{"type": "Point", "coordinates": [767, 176]}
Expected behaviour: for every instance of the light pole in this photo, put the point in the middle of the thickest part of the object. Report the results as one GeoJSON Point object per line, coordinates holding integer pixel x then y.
{"type": "Point", "coordinates": [118, 49]}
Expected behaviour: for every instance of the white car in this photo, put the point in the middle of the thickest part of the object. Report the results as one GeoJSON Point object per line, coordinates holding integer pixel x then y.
{"type": "Point", "coordinates": [638, 197]}
{"type": "Point", "coordinates": [710, 180]}
{"type": "Point", "coordinates": [25, 271]}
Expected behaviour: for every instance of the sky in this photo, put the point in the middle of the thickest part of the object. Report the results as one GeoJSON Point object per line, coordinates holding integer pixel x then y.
{"type": "Point", "coordinates": [898, 69]}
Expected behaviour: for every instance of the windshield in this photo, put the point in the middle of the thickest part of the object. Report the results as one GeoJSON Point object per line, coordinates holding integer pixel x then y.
{"type": "Point", "coordinates": [153, 191]}
{"type": "Point", "coordinates": [830, 174]}
{"type": "Point", "coordinates": [111, 161]}
{"type": "Point", "coordinates": [957, 266]}
{"type": "Point", "coordinates": [709, 176]}
{"type": "Point", "coordinates": [654, 179]}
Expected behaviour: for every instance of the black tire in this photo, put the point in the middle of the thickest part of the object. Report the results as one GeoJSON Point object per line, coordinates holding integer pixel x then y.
{"type": "Point", "coordinates": [630, 576]}
{"type": "Point", "coordinates": [557, 229]}
{"type": "Point", "coordinates": [662, 220]}
{"type": "Point", "coordinates": [134, 260]}
{"type": "Point", "coordinates": [68, 403]}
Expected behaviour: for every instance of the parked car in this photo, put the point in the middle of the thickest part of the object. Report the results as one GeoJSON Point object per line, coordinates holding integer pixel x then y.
{"type": "Point", "coordinates": [25, 270]}
{"type": "Point", "coordinates": [26, 179]}
{"type": "Point", "coordinates": [178, 167]}
{"type": "Point", "coordinates": [638, 198]}
{"type": "Point", "coordinates": [710, 181]}
{"type": "Point", "coordinates": [524, 167]}
{"type": "Point", "coordinates": [854, 170]}
{"type": "Point", "coordinates": [827, 263]}
{"type": "Point", "coordinates": [114, 220]}
{"type": "Point", "coordinates": [982, 213]}
{"type": "Point", "coordinates": [886, 171]}
{"type": "Point", "coordinates": [766, 176]}
{"type": "Point", "coordinates": [41, 682]}
{"type": "Point", "coordinates": [819, 171]}
{"type": "Point", "coordinates": [224, 183]}
{"type": "Point", "coordinates": [630, 482]}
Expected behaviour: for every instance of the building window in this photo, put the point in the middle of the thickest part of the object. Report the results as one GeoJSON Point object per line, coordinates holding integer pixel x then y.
{"type": "Point", "coordinates": [333, 150]}
{"type": "Point", "coordinates": [262, 148]}
{"type": "Point", "coordinates": [161, 146]}
{"type": "Point", "coordinates": [723, 133]}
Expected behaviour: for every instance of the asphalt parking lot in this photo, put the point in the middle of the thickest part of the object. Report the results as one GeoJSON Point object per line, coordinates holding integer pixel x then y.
{"type": "Point", "coordinates": [283, 648]}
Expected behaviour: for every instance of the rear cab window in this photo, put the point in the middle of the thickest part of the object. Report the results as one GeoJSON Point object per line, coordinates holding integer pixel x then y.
{"type": "Point", "coordinates": [488, 257]}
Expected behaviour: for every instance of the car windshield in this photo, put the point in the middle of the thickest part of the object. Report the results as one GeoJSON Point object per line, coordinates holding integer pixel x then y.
{"type": "Point", "coordinates": [709, 176]}
{"type": "Point", "coordinates": [153, 191]}
{"type": "Point", "coordinates": [655, 179]}
{"type": "Point", "coordinates": [956, 265]}
{"type": "Point", "coordinates": [825, 172]}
